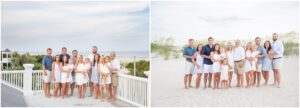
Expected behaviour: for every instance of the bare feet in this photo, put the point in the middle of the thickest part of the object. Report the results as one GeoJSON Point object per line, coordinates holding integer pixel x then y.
{"type": "Point", "coordinates": [186, 87]}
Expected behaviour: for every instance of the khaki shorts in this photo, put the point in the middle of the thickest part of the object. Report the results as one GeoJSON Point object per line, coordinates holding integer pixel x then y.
{"type": "Point", "coordinates": [237, 68]}
{"type": "Point", "coordinates": [276, 63]}
{"type": "Point", "coordinates": [114, 79]}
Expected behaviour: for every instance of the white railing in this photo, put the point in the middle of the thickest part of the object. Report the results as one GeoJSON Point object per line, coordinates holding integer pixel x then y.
{"type": "Point", "coordinates": [13, 79]}
{"type": "Point", "coordinates": [134, 90]}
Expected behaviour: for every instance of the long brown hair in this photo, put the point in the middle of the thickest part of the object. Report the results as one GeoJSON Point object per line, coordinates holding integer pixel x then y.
{"type": "Point", "coordinates": [270, 47]}
{"type": "Point", "coordinates": [94, 61]}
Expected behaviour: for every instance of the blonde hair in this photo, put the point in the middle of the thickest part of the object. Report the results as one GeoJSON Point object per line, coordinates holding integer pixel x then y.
{"type": "Point", "coordinates": [247, 45]}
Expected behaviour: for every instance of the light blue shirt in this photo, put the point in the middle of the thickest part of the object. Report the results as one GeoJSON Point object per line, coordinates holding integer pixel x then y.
{"type": "Point", "coordinates": [262, 51]}
{"type": "Point", "coordinates": [278, 49]}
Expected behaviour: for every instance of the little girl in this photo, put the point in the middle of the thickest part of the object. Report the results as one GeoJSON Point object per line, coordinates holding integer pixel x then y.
{"type": "Point", "coordinates": [224, 74]}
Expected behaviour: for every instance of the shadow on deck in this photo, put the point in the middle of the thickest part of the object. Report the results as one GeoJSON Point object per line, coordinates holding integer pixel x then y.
{"type": "Point", "coordinates": [13, 98]}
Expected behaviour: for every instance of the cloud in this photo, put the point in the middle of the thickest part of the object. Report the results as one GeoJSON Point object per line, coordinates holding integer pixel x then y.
{"type": "Point", "coordinates": [69, 23]}
{"type": "Point", "coordinates": [222, 20]}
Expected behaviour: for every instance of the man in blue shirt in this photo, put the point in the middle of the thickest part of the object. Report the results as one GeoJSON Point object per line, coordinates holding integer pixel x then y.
{"type": "Point", "coordinates": [262, 53]}
{"type": "Point", "coordinates": [278, 50]}
{"type": "Point", "coordinates": [189, 65]}
{"type": "Point", "coordinates": [207, 68]}
{"type": "Point", "coordinates": [47, 67]}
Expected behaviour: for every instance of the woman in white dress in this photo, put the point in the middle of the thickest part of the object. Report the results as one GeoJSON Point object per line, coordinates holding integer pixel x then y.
{"type": "Point", "coordinates": [224, 74]}
{"type": "Point", "coordinates": [65, 74]}
{"type": "Point", "coordinates": [105, 71]}
{"type": "Point", "coordinates": [80, 75]}
{"type": "Point", "coordinates": [249, 64]}
{"type": "Point", "coordinates": [229, 56]}
{"type": "Point", "coordinates": [87, 67]}
{"type": "Point", "coordinates": [56, 75]}
{"type": "Point", "coordinates": [216, 59]}
{"type": "Point", "coordinates": [198, 64]}
{"type": "Point", "coordinates": [95, 74]}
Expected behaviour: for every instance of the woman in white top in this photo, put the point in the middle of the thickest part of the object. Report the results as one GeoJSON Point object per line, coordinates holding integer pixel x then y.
{"type": "Point", "coordinates": [216, 59]}
{"type": "Point", "coordinates": [198, 64]}
{"type": "Point", "coordinates": [80, 75]}
{"type": "Point", "coordinates": [249, 64]}
{"type": "Point", "coordinates": [229, 56]}
{"type": "Point", "coordinates": [224, 74]}
{"type": "Point", "coordinates": [56, 75]}
{"type": "Point", "coordinates": [95, 74]}
{"type": "Point", "coordinates": [105, 71]}
{"type": "Point", "coordinates": [65, 74]}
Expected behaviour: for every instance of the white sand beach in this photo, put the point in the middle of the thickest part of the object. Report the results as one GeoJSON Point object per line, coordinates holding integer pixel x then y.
{"type": "Point", "coordinates": [168, 88]}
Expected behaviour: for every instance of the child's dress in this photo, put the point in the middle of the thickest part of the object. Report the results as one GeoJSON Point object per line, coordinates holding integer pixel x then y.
{"type": "Point", "coordinates": [224, 72]}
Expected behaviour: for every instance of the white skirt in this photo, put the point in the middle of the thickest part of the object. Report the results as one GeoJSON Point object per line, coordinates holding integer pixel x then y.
{"type": "Point", "coordinates": [64, 78]}
{"type": "Point", "coordinates": [79, 78]}
{"type": "Point", "coordinates": [216, 67]}
{"type": "Point", "coordinates": [247, 66]}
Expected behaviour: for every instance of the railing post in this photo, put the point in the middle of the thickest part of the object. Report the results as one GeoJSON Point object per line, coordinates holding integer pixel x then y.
{"type": "Point", "coordinates": [27, 80]}
{"type": "Point", "coordinates": [134, 71]}
{"type": "Point", "coordinates": [148, 89]}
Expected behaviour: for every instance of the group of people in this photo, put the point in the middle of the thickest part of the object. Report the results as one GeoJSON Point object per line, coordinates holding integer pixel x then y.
{"type": "Point", "coordinates": [218, 64]}
{"type": "Point", "coordinates": [101, 72]}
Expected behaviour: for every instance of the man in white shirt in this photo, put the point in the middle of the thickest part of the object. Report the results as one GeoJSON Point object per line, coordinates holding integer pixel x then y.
{"type": "Point", "coordinates": [238, 57]}
{"type": "Point", "coordinates": [278, 49]}
{"type": "Point", "coordinates": [91, 58]}
{"type": "Point", "coordinates": [115, 67]}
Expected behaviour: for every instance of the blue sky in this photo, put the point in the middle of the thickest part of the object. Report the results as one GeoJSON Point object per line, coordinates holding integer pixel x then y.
{"type": "Point", "coordinates": [222, 20]}
{"type": "Point", "coordinates": [112, 26]}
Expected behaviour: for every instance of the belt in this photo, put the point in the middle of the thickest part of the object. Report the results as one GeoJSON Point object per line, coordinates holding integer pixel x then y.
{"type": "Point", "coordinates": [277, 58]}
{"type": "Point", "coordinates": [238, 61]}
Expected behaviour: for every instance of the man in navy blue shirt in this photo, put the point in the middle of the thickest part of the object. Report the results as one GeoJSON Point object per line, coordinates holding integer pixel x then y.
{"type": "Point", "coordinates": [189, 66]}
{"type": "Point", "coordinates": [207, 68]}
{"type": "Point", "coordinates": [47, 67]}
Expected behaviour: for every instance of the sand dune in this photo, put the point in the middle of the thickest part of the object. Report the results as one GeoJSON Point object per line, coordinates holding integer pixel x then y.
{"type": "Point", "coordinates": [168, 89]}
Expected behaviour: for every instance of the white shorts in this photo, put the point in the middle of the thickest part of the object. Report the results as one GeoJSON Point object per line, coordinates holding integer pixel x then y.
{"type": "Point", "coordinates": [189, 67]}
{"type": "Point", "coordinates": [207, 68]}
{"type": "Point", "coordinates": [259, 68]}
{"type": "Point", "coordinates": [47, 78]}
{"type": "Point", "coordinates": [276, 63]}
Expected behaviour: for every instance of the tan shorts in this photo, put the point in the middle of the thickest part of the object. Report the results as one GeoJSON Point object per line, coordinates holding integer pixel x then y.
{"type": "Point", "coordinates": [276, 63]}
{"type": "Point", "coordinates": [237, 68]}
{"type": "Point", "coordinates": [114, 79]}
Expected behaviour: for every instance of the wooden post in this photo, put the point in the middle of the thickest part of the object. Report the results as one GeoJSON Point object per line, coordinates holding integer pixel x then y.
{"type": "Point", "coordinates": [27, 80]}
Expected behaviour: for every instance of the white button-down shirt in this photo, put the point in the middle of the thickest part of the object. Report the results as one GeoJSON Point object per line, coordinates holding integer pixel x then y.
{"type": "Point", "coordinates": [238, 53]}
{"type": "Point", "coordinates": [278, 49]}
{"type": "Point", "coordinates": [115, 65]}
